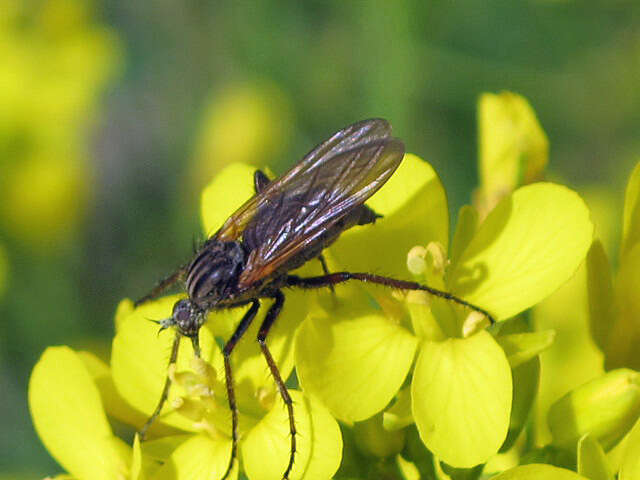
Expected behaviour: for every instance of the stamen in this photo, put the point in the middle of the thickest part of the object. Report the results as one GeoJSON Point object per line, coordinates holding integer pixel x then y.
{"type": "Point", "coordinates": [416, 260]}
{"type": "Point", "coordinates": [475, 321]}
{"type": "Point", "coordinates": [436, 258]}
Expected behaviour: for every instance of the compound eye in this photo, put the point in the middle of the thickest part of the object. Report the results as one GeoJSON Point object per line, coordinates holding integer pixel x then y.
{"type": "Point", "coordinates": [183, 315]}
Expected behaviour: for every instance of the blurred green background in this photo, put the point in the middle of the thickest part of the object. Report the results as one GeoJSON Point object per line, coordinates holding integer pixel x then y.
{"type": "Point", "coordinates": [114, 115]}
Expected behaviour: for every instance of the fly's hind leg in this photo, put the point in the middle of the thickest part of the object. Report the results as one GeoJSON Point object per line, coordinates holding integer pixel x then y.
{"type": "Point", "coordinates": [341, 277]}
{"type": "Point", "coordinates": [268, 322]}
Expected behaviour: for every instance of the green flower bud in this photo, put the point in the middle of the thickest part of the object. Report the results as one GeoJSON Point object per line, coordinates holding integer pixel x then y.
{"type": "Point", "coordinates": [605, 407]}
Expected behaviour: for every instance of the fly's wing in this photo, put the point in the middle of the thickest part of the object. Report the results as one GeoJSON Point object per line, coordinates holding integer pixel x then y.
{"type": "Point", "coordinates": [353, 136]}
{"type": "Point", "coordinates": [302, 207]}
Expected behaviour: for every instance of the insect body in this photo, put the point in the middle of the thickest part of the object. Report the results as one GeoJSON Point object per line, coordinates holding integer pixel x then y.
{"type": "Point", "coordinates": [288, 222]}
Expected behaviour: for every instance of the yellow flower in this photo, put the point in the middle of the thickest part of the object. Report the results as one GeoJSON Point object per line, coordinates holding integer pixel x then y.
{"type": "Point", "coordinates": [356, 358]}
{"type": "Point", "coordinates": [241, 124]}
{"type": "Point", "coordinates": [56, 61]}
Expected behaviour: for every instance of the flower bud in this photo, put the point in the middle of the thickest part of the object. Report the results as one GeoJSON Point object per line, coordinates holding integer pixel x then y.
{"type": "Point", "coordinates": [605, 407]}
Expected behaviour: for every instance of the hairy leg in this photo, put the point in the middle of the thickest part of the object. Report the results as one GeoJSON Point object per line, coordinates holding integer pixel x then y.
{"type": "Point", "coordinates": [165, 389]}
{"type": "Point", "coordinates": [226, 352]}
{"type": "Point", "coordinates": [341, 277]}
{"type": "Point", "coordinates": [268, 322]}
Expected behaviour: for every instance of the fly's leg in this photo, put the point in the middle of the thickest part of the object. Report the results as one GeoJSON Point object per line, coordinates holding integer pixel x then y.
{"type": "Point", "coordinates": [162, 285]}
{"type": "Point", "coordinates": [323, 262]}
{"type": "Point", "coordinates": [341, 277]}
{"type": "Point", "coordinates": [196, 345]}
{"type": "Point", "coordinates": [165, 389]}
{"type": "Point", "coordinates": [325, 270]}
{"type": "Point", "coordinates": [231, 396]}
{"type": "Point", "coordinates": [268, 322]}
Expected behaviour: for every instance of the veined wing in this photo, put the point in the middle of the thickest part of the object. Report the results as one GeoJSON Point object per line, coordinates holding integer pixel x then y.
{"type": "Point", "coordinates": [299, 213]}
{"type": "Point", "coordinates": [353, 136]}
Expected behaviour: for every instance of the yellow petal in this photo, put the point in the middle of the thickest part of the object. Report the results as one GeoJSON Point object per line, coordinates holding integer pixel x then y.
{"type": "Point", "coordinates": [529, 245]}
{"type": "Point", "coordinates": [225, 194]}
{"type": "Point", "coordinates": [136, 461]}
{"type": "Point", "coordinates": [68, 415]}
{"type": "Point", "coordinates": [355, 365]}
{"type": "Point", "coordinates": [461, 398]}
{"type": "Point", "coordinates": [592, 462]}
{"type": "Point", "coordinates": [200, 457]}
{"type": "Point", "coordinates": [465, 230]}
{"type": "Point", "coordinates": [630, 467]}
{"type": "Point", "coordinates": [266, 448]}
{"type": "Point", "coordinates": [602, 314]}
{"type": "Point", "coordinates": [521, 347]}
{"type": "Point", "coordinates": [113, 403]}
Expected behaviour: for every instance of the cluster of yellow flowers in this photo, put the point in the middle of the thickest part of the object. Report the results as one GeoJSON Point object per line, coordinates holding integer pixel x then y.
{"type": "Point", "coordinates": [396, 367]}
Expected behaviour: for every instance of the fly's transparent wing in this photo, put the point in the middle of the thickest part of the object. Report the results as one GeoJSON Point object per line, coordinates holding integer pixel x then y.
{"type": "Point", "coordinates": [351, 137]}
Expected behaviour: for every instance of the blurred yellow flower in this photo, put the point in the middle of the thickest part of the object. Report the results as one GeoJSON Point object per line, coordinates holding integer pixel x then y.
{"type": "Point", "coordinates": [44, 198]}
{"type": "Point", "coordinates": [249, 123]}
{"type": "Point", "coordinates": [56, 62]}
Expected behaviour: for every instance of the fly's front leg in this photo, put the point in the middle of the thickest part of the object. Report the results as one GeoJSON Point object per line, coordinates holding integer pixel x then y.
{"type": "Point", "coordinates": [162, 285]}
{"type": "Point", "coordinates": [268, 322]}
{"type": "Point", "coordinates": [226, 352]}
{"type": "Point", "coordinates": [165, 389]}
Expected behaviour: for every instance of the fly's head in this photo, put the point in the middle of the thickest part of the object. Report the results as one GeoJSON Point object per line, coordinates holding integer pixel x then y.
{"type": "Point", "coordinates": [187, 317]}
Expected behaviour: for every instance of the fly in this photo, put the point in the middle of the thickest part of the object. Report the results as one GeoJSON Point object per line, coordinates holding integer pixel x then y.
{"type": "Point", "coordinates": [288, 222]}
